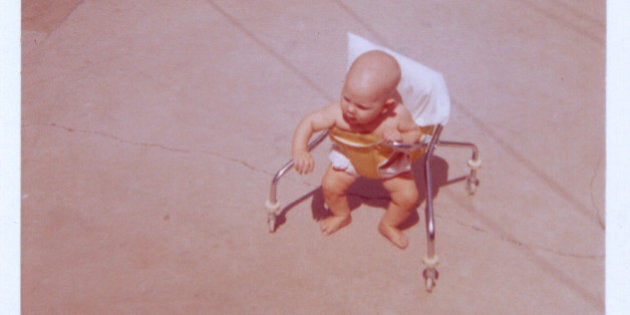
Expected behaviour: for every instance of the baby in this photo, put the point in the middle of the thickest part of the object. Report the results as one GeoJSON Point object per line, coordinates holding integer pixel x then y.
{"type": "Point", "coordinates": [369, 108]}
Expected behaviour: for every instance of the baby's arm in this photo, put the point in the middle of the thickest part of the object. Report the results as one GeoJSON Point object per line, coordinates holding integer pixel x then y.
{"type": "Point", "coordinates": [311, 123]}
{"type": "Point", "coordinates": [406, 130]}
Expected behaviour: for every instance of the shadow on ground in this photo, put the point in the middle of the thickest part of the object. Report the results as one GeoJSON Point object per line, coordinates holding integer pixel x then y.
{"type": "Point", "coordinates": [371, 192]}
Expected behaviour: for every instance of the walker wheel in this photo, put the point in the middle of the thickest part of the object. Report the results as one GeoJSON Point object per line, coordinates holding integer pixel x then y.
{"type": "Point", "coordinates": [429, 284]}
{"type": "Point", "coordinates": [430, 276]}
{"type": "Point", "coordinates": [471, 185]}
{"type": "Point", "coordinates": [271, 221]}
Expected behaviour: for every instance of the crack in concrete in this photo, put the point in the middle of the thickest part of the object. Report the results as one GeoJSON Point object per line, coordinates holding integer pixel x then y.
{"type": "Point", "coordinates": [169, 149]}
{"type": "Point", "coordinates": [526, 162]}
{"type": "Point", "coordinates": [518, 243]}
{"type": "Point", "coordinates": [278, 56]}
{"type": "Point", "coordinates": [504, 238]}
{"type": "Point", "coordinates": [118, 139]}
{"type": "Point", "coordinates": [147, 144]}
{"type": "Point", "coordinates": [568, 17]}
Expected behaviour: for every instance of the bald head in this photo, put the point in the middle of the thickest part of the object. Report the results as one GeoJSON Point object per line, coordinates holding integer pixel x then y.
{"type": "Point", "coordinates": [374, 72]}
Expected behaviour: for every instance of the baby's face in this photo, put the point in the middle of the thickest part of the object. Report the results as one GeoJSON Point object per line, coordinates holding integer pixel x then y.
{"type": "Point", "coordinates": [370, 83]}
{"type": "Point", "coordinates": [359, 107]}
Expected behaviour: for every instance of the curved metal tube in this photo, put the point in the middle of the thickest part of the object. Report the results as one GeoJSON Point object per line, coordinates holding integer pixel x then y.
{"type": "Point", "coordinates": [472, 146]}
{"type": "Point", "coordinates": [428, 213]}
{"type": "Point", "coordinates": [273, 192]}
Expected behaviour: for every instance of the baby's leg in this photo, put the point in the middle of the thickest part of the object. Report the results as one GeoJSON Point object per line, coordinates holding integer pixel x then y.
{"type": "Point", "coordinates": [335, 184]}
{"type": "Point", "coordinates": [404, 199]}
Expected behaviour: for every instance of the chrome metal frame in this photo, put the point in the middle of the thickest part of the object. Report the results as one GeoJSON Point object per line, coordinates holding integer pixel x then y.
{"type": "Point", "coordinates": [430, 272]}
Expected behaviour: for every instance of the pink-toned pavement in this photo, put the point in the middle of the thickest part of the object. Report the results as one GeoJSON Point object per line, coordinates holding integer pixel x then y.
{"type": "Point", "coordinates": [151, 131]}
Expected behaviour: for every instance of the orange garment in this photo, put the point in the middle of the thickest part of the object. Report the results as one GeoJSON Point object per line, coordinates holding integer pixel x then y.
{"type": "Point", "coordinates": [368, 155]}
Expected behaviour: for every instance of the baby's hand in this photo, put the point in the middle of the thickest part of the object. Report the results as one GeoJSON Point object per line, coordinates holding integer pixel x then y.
{"type": "Point", "coordinates": [392, 135]}
{"type": "Point", "coordinates": [303, 162]}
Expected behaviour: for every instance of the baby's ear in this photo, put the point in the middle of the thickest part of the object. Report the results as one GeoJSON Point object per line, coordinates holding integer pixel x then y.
{"type": "Point", "coordinates": [390, 104]}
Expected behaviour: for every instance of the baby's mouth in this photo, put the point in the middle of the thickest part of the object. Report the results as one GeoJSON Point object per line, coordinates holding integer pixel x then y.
{"type": "Point", "coordinates": [349, 119]}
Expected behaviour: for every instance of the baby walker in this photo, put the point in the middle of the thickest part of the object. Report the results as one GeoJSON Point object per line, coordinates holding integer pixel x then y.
{"type": "Point", "coordinates": [424, 92]}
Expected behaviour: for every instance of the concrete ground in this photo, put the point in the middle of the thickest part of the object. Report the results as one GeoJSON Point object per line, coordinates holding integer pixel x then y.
{"type": "Point", "coordinates": [151, 131]}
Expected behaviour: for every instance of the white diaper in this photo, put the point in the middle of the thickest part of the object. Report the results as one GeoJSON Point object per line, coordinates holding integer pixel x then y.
{"type": "Point", "coordinates": [340, 162]}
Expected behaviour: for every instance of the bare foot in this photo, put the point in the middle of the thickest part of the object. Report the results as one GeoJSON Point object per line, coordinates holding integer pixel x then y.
{"type": "Point", "coordinates": [395, 235]}
{"type": "Point", "coordinates": [333, 223]}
